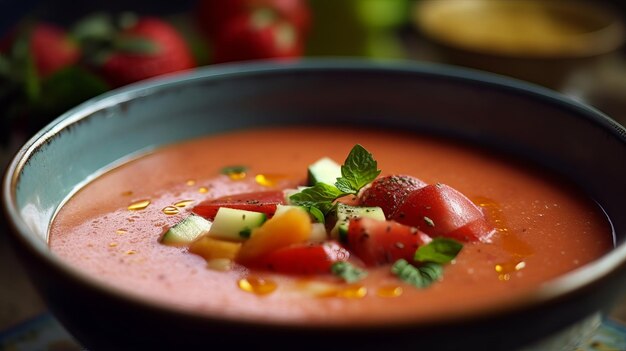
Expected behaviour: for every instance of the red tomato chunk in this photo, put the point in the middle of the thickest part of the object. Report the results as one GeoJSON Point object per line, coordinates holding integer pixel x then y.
{"type": "Point", "coordinates": [261, 201]}
{"type": "Point", "coordinates": [378, 242]}
{"type": "Point", "coordinates": [304, 259]}
{"type": "Point", "coordinates": [439, 210]}
{"type": "Point", "coordinates": [389, 192]}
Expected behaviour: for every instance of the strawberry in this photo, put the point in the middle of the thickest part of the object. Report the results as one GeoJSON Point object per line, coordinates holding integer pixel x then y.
{"type": "Point", "coordinates": [213, 15]}
{"type": "Point", "coordinates": [147, 48]}
{"type": "Point", "coordinates": [52, 49]}
{"type": "Point", "coordinates": [389, 192]}
{"type": "Point", "coordinates": [256, 35]}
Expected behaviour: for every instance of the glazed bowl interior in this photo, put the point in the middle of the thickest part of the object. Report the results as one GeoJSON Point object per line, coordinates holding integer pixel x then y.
{"type": "Point", "coordinates": [520, 120]}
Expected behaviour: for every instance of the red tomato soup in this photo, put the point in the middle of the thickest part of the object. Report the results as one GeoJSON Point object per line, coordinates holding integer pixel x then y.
{"type": "Point", "coordinates": [111, 229]}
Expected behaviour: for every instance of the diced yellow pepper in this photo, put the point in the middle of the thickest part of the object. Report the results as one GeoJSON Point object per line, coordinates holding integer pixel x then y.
{"type": "Point", "coordinates": [211, 248]}
{"type": "Point", "coordinates": [290, 227]}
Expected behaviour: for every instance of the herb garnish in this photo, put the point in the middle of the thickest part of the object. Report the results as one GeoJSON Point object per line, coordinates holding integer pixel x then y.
{"type": "Point", "coordinates": [420, 277]}
{"type": "Point", "coordinates": [233, 170]}
{"type": "Point", "coordinates": [431, 257]}
{"type": "Point", "coordinates": [347, 271]}
{"type": "Point", "coordinates": [440, 250]}
{"type": "Point", "coordinates": [358, 170]}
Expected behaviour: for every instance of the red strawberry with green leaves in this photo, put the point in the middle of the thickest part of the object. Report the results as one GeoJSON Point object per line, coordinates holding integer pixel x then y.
{"type": "Point", "coordinates": [46, 46]}
{"type": "Point", "coordinates": [52, 49]}
{"type": "Point", "coordinates": [257, 35]}
{"type": "Point", "coordinates": [134, 49]}
{"type": "Point", "coordinates": [42, 76]}
{"type": "Point", "coordinates": [212, 16]}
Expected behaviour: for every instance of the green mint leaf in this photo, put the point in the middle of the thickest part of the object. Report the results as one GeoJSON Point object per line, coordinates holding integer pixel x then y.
{"type": "Point", "coordinates": [440, 250]}
{"type": "Point", "coordinates": [317, 214]}
{"type": "Point", "coordinates": [233, 169]}
{"type": "Point", "coordinates": [348, 272]}
{"type": "Point", "coordinates": [321, 196]}
{"type": "Point", "coordinates": [358, 170]}
{"type": "Point", "coordinates": [420, 277]}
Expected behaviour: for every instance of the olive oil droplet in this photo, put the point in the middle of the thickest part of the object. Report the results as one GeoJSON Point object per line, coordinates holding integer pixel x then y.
{"type": "Point", "coordinates": [268, 179]}
{"type": "Point", "coordinates": [139, 205]}
{"type": "Point", "coordinates": [350, 292]}
{"type": "Point", "coordinates": [183, 203]}
{"type": "Point", "coordinates": [121, 231]}
{"type": "Point", "coordinates": [190, 182]}
{"type": "Point", "coordinates": [257, 285]}
{"type": "Point", "coordinates": [203, 190]}
{"type": "Point", "coordinates": [390, 291]}
{"type": "Point", "coordinates": [505, 270]}
{"type": "Point", "coordinates": [170, 210]}
{"type": "Point", "coordinates": [237, 175]}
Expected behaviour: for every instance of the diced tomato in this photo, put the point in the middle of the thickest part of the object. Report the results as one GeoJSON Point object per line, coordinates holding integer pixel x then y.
{"type": "Point", "coordinates": [389, 192]}
{"type": "Point", "coordinates": [260, 201]}
{"type": "Point", "coordinates": [307, 258]}
{"type": "Point", "coordinates": [378, 242]}
{"type": "Point", "coordinates": [290, 228]}
{"type": "Point", "coordinates": [440, 210]}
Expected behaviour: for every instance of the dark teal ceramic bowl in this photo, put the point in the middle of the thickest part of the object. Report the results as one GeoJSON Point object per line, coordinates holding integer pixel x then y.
{"type": "Point", "coordinates": [521, 120]}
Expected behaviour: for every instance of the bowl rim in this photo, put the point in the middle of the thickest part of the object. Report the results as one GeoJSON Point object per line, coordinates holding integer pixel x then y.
{"type": "Point", "coordinates": [559, 288]}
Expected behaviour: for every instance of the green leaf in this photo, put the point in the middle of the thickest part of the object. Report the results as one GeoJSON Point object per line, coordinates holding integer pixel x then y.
{"type": "Point", "coordinates": [348, 272]}
{"type": "Point", "coordinates": [136, 45]}
{"type": "Point", "coordinates": [420, 277]}
{"type": "Point", "coordinates": [317, 214]}
{"type": "Point", "coordinates": [68, 87]}
{"type": "Point", "coordinates": [358, 170]}
{"type": "Point", "coordinates": [96, 27]}
{"type": "Point", "coordinates": [233, 169]}
{"type": "Point", "coordinates": [321, 196]}
{"type": "Point", "coordinates": [440, 250]}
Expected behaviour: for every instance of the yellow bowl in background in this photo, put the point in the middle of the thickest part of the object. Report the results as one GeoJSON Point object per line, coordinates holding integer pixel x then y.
{"type": "Point", "coordinates": [534, 40]}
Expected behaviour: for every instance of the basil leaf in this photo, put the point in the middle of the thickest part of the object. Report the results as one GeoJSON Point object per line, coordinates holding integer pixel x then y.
{"type": "Point", "coordinates": [348, 272]}
{"type": "Point", "coordinates": [420, 277]}
{"type": "Point", "coordinates": [440, 250]}
{"type": "Point", "coordinates": [321, 196]}
{"type": "Point", "coordinates": [358, 170]}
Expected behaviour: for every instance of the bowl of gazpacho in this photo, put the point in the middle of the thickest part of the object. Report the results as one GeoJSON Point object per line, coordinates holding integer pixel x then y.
{"type": "Point", "coordinates": [322, 204]}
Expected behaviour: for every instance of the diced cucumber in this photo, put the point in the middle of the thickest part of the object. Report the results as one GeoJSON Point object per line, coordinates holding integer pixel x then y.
{"type": "Point", "coordinates": [280, 209]}
{"type": "Point", "coordinates": [324, 170]}
{"type": "Point", "coordinates": [346, 212]}
{"type": "Point", "coordinates": [318, 233]}
{"type": "Point", "coordinates": [186, 231]}
{"type": "Point", "coordinates": [234, 224]}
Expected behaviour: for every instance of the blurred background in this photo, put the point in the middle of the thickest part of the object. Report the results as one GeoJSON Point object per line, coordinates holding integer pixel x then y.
{"type": "Point", "coordinates": [57, 54]}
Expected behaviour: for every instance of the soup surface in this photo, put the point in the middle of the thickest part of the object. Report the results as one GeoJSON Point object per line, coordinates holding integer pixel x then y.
{"type": "Point", "coordinates": [110, 229]}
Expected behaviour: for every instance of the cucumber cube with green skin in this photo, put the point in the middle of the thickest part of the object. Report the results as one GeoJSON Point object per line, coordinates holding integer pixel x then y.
{"type": "Point", "coordinates": [324, 170]}
{"type": "Point", "coordinates": [234, 224]}
{"type": "Point", "coordinates": [318, 233]}
{"type": "Point", "coordinates": [186, 231]}
{"type": "Point", "coordinates": [280, 209]}
{"type": "Point", "coordinates": [346, 212]}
